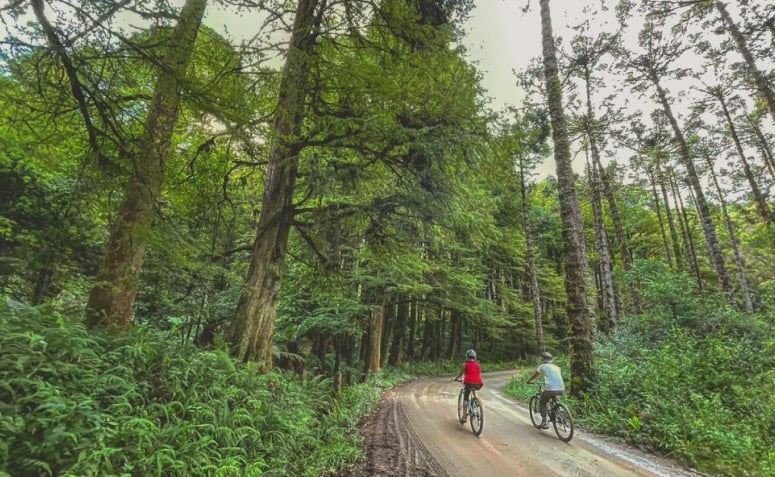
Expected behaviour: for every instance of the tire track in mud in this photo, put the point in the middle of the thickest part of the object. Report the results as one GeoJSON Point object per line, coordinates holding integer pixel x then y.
{"type": "Point", "coordinates": [391, 446]}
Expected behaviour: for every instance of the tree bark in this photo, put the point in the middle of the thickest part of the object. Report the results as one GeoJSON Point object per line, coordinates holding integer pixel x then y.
{"type": "Point", "coordinates": [397, 346]}
{"type": "Point", "coordinates": [535, 290]}
{"type": "Point", "coordinates": [708, 228]}
{"type": "Point", "coordinates": [253, 325]}
{"type": "Point", "coordinates": [670, 221]}
{"type": "Point", "coordinates": [581, 351]}
{"type": "Point", "coordinates": [665, 244]}
{"type": "Point", "coordinates": [601, 238]}
{"type": "Point", "coordinates": [759, 80]}
{"type": "Point", "coordinates": [761, 204]}
{"type": "Point", "coordinates": [603, 251]}
{"type": "Point", "coordinates": [112, 298]}
{"type": "Point", "coordinates": [745, 289]}
{"type": "Point", "coordinates": [683, 225]}
{"type": "Point", "coordinates": [767, 155]}
{"type": "Point", "coordinates": [376, 320]}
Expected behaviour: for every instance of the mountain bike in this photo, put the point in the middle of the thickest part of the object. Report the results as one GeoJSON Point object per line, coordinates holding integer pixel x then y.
{"type": "Point", "coordinates": [558, 413]}
{"type": "Point", "coordinates": [475, 410]}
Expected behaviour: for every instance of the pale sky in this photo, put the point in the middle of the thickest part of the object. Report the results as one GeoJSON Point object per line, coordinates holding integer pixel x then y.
{"type": "Point", "coordinates": [501, 38]}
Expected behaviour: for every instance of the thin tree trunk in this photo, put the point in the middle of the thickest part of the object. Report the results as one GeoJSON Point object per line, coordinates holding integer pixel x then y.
{"type": "Point", "coordinates": [253, 325]}
{"type": "Point", "coordinates": [759, 80]}
{"type": "Point", "coordinates": [604, 259]}
{"type": "Point", "coordinates": [581, 351]}
{"type": "Point", "coordinates": [112, 298]}
{"type": "Point", "coordinates": [739, 261]}
{"type": "Point", "coordinates": [387, 333]}
{"type": "Point", "coordinates": [761, 204]}
{"type": "Point", "coordinates": [397, 346]}
{"type": "Point", "coordinates": [665, 243]}
{"type": "Point", "coordinates": [708, 228]}
{"type": "Point", "coordinates": [535, 290]}
{"type": "Point", "coordinates": [690, 235]}
{"type": "Point", "coordinates": [683, 225]}
{"type": "Point", "coordinates": [769, 160]}
{"type": "Point", "coordinates": [670, 221]}
{"type": "Point", "coordinates": [376, 319]}
{"type": "Point", "coordinates": [604, 254]}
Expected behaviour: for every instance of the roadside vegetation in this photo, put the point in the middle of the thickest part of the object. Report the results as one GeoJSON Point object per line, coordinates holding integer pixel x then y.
{"type": "Point", "coordinates": [686, 379]}
{"type": "Point", "coordinates": [215, 252]}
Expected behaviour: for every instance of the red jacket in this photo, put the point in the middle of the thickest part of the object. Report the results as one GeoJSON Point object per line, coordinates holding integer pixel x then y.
{"type": "Point", "coordinates": [473, 372]}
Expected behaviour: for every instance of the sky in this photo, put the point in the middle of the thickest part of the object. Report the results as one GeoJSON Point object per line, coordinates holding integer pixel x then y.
{"type": "Point", "coordinates": [498, 36]}
{"type": "Point", "coordinates": [501, 38]}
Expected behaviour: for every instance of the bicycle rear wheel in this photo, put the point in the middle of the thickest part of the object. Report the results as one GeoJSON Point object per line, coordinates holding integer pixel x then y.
{"type": "Point", "coordinates": [477, 416]}
{"type": "Point", "coordinates": [563, 422]}
{"type": "Point", "coordinates": [460, 404]}
{"type": "Point", "coordinates": [535, 413]}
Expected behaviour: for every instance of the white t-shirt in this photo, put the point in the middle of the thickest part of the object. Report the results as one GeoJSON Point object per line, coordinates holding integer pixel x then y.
{"type": "Point", "coordinates": [552, 377]}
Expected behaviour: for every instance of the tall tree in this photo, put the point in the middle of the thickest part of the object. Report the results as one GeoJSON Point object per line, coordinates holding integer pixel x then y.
{"type": "Point", "coordinates": [253, 324]}
{"type": "Point", "coordinates": [113, 296]}
{"type": "Point", "coordinates": [648, 70]}
{"type": "Point", "coordinates": [586, 58]}
{"type": "Point", "coordinates": [581, 352]}
{"type": "Point", "coordinates": [700, 9]}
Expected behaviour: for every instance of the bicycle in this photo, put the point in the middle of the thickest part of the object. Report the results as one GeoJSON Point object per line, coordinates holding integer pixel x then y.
{"type": "Point", "coordinates": [475, 410]}
{"type": "Point", "coordinates": [558, 413]}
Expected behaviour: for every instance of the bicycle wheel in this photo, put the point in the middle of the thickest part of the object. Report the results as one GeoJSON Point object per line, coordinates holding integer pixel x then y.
{"type": "Point", "coordinates": [535, 413]}
{"type": "Point", "coordinates": [477, 416]}
{"type": "Point", "coordinates": [563, 422]}
{"type": "Point", "coordinates": [460, 404]}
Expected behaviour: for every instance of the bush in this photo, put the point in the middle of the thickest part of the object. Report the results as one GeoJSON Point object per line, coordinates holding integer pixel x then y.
{"type": "Point", "coordinates": [79, 403]}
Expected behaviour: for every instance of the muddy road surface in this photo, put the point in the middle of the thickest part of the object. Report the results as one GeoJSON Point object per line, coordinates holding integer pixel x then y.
{"type": "Point", "coordinates": [415, 432]}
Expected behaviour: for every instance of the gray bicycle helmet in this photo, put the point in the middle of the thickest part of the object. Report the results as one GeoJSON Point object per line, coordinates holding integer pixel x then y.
{"type": "Point", "coordinates": [471, 354]}
{"type": "Point", "coordinates": [546, 356]}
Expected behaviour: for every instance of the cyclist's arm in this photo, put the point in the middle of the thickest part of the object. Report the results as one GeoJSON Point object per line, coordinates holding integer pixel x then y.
{"type": "Point", "coordinates": [531, 378]}
{"type": "Point", "coordinates": [462, 372]}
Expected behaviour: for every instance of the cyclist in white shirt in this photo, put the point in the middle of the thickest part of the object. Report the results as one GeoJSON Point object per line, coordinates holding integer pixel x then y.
{"type": "Point", "coordinates": [553, 384]}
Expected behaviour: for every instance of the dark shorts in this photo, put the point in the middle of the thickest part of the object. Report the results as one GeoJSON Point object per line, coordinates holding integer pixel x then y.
{"type": "Point", "coordinates": [469, 387]}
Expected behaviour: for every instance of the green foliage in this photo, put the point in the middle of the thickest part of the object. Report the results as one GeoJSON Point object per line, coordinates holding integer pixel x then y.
{"type": "Point", "coordinates": [74, 403]}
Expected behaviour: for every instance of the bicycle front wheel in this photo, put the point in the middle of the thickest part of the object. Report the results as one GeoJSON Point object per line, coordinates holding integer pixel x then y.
{"type": "Point", "coordinates": [477, 416]}
{"type": "Point", "coordinates": [563, 423]}
{"type": "Point", "coordinates": [535, 413]}
{"type": "Point", "coordinates": [460, 405]}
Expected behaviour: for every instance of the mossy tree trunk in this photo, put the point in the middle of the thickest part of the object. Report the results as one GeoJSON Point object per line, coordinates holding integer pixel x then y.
{"type": "Point", "coordinates": [581, 352]}
{"type": "Point", "coordinates": [112, 298]}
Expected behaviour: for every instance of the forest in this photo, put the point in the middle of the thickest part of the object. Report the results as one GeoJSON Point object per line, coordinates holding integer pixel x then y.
{"type": "Point", "coordinates": [216, 253]}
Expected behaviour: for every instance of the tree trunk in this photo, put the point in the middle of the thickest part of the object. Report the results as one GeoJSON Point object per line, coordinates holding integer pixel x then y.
{"type": "Point", "coordinates": [397, 347]}
{"type": "Point", "coordinates": [745, 289]}
{"type": "Point", "coordinates": [581, 351]}
{"type": "Point", "coordinates": [112, 298]}
{"type": "Point", "coordinates": [670, 221]}
{"type": "Point", "coordinates": [767, 155]}
{"type": "Point", "coordinates": [665, 244]}
{"type": "Point", "coordinates": [604, 254]}
{"type": "Point", "coordinates": [761, 204]}
{"type": "Point", "coordinates": [708, 228]}
{"type": "Point", "coordinates": [683, 225]}
{"type": "Point", "coordinates": [759, 80]}
{"type": "Point", "coordinates": [251, 332]}
{"type": "Point", "coordinates": [387, 333]}
{"type": "Point", "coordinates": [535, 290]}
{"type": "Point", "coordinates": [376, 319]}
{"type": "Point", "coordinates": [604, 259]}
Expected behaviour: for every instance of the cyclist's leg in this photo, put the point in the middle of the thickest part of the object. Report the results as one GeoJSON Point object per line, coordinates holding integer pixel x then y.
{"type": "Point", "coordinates": [542, 401]}
{"type": "Point", "coordinates": [465, 400]}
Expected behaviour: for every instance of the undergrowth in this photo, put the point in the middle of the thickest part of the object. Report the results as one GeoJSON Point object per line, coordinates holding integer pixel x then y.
{"type": "Point", "coordinates": [704, 398]}
{"type": "Point", "coordinates": [81, 403]}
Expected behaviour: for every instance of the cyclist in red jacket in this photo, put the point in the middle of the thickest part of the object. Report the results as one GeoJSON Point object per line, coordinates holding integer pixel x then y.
{"type": "Point", "coordinates": [471, 373]}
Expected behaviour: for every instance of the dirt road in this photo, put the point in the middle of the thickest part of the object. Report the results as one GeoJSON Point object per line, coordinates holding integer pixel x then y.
{"type": "Point", "coordinates": [415, 433]}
